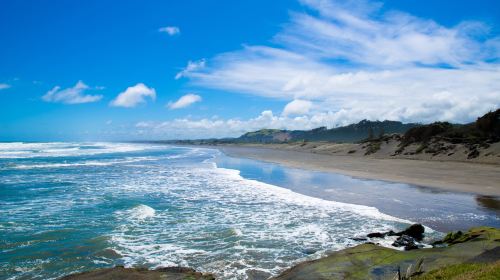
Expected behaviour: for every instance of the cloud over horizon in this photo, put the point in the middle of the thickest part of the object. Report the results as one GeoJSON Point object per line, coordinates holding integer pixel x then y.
{"type": "Point", "coordinates": [355, 60]}
{"type": "Point", "coordinates": [216, 127]}
{"type": "Point", "coordinates": [184, 101]}
{"type": "Point", "coordinates": [72, 95]}
{"type": "Point", "coordinates": [134, 96]}
{"type": "Point", "coordinates": [4, 86]}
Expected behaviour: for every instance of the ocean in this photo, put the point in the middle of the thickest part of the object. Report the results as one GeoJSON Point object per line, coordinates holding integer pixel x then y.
{"type": "Point", "coordinates": [71, 207]}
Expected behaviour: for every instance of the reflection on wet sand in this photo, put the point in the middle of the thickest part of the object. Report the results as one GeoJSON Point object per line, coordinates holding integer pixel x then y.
{"type": "Point", "coordinates": [441, 210]}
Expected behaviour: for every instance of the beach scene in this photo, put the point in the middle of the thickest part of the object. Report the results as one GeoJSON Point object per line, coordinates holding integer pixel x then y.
{"type": "Point", "coordinates": [249, 140]}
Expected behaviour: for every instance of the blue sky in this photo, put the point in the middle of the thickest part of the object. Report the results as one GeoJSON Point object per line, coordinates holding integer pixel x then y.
{"type": "Point", "coordinates": [123, 70]}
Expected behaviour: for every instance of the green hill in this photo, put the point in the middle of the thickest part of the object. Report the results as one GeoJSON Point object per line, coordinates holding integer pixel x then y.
{"type": "Point", "coordinates": [350, 133]}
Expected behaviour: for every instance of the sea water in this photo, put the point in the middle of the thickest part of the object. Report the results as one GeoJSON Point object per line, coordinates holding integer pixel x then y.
{"type": "Point", "coordinates": [71, 207]}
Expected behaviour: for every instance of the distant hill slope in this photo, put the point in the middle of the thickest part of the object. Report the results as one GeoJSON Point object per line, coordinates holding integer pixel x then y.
{"type": "Point", "coordinates": [484, 131]}
{"type": "Point", "coordinates": [351, 133]}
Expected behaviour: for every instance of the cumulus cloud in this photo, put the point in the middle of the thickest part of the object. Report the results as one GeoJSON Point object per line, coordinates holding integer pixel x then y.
{"type": "Point", "coordinates": [4, 86]}
{"type": "Point", "coordinates": [297, 107]}
{"type": "Point", "coordinates": [184, 128]}
{"type": "Point", "coordinates": [72, 95]}
{"type": "Point", "coordinates": [355, 60]}
{"type": "Point", "coordinates": [170, 30]}
{"type": "Point", "coordinates": [133, 96]}
{"type": "Point", "coordinates": [191, 66]}
{"type": "Point", "coordinates": [184, 101]}
{"type": "Point", "coordinates": [215, 127]}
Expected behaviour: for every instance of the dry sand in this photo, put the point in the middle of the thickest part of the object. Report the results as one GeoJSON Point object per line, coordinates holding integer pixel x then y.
{"type": "Point", "coordinates": [458, 176]}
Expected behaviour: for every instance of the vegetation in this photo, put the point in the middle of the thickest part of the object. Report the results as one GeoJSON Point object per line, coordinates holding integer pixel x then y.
{"type": "Point", "coordinates": [372, 147]}
{"type": "Point", "coordinates": [440, 137]}
{"type": "Point", "coordinates": [477, 256]}
{"type": "Point", "coordinates": [434, 138]}
{"type": "Point", "coordinates": [425, 133]}
{"type": "Point", "coordinates": [484, 129]}
{"type": "Point", "coordinates": [477, 271]}
{"type": "Point", "coordinates": [350, 133]}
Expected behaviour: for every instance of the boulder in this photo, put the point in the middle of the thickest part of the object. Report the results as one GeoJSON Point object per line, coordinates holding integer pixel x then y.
{"type": "Point", "coordinates": [416, 231]}
{"type": "Point", "coordinates": [376, 235]}
{"type": "Point", "coordinates": [407, 242]}
{"type": "Point", "coordinates": [359, 239]}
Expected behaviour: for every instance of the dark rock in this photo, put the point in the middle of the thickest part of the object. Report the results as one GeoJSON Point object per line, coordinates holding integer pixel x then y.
{"type": "Point", "coordinates": [309, 251]}
{"type": "Point", "coordinates": [376, 235]}
{"type": "Point", "coordinates": [391, 233]}
{"type": "Point", "coordinates": [416, 231]}
{"type": "Point", "coordinates": [406, 241]}
{"type": "Point", "coordinates": [359, 238]}
{"type": "Point", "coordinates": [382, 234]}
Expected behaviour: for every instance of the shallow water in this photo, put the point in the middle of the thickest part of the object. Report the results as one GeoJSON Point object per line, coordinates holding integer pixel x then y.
{"type": "Point", "coordinates": [68, 207]}
{"type": "Point", "coordinates": [441, 210]}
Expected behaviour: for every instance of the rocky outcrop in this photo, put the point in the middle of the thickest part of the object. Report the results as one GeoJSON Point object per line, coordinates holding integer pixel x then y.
{"type": "Point", "coordinates": [366, 261]}
{"type": "Point", "coordinates": [415, 231]}
{"type": "Point", "coordinates": [370, 261]}
{"type": "Point", "coordinates": [407, 242]}
{"type": "Point", "coordinates": [407, 238]}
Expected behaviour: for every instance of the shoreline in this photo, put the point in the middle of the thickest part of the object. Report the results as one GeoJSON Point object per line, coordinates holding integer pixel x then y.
{"type": "Point", "coordinates": [474, 178]}
{"type": "Point", "coordinates": [474, 252]}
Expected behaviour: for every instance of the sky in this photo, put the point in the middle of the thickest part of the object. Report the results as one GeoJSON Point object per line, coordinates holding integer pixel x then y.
{"type": "Point", "coordinates": [150, 70]}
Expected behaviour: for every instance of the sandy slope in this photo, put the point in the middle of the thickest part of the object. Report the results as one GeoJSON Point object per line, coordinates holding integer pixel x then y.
{"type": "Point", "coordinates": [452, 175]}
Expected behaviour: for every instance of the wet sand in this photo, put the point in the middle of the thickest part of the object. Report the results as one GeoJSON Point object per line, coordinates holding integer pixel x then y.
{"type": "Point", "coordinates": [483, 179]}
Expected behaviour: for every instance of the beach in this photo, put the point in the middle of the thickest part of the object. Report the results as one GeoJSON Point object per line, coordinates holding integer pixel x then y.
{"type": "Point", "coordinates": [151, 206]}
{"type": "Point", "coordinates": [452, 176]}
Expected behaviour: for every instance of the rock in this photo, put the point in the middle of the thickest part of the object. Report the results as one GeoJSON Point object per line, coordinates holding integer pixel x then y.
{"type": "Point", "coordinates": [391, 233]}
{"type": "Point", "coordinates": [406, 241]}
{"type": "Point", "coordinates": [376, 235]}
{"type": "Point", "coordinates": [416, 231]}
{"type": "Point", "coordinates": [382, 234]}
{"type": "Point", "coordinates": [368, 261]}
{"type": "Point", "coordinates": [254, 274]}
{"type": "Point", "coordinates": [309, 251]}
{"type": "Point", "coordinates": [359, 238]}
{"type": "Point", "coordinates": [458, 237]}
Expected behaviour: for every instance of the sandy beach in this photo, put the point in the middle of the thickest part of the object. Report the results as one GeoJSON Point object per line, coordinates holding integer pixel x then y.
{"type": "Point", "coordinates": [475, 178]}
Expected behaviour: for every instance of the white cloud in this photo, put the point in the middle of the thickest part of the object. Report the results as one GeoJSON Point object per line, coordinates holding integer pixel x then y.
{"type": "Point", "coordinates": [133, 96]}
{"type": "Point", "coordinates": [297, 107]}
{"type": "Point", "coordinates": [185, 128]}
{"type": "Point", "coordinates": [215, 127]}
{"type": "Point", "coordinates": [191, 66]}
{"type": "Point", "coordinates": [356, 61]}
{"type": "Point", "coordinates": [184, 101]}
{"type": "Point", "coordinates": [4, 86]}
{"type": "Point", "coordinates": [170, 30]}
{"type": "Point", "coordinates": [73, 95]}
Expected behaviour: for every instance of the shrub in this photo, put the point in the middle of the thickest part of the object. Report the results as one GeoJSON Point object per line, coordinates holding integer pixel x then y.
{"type": "Point", "coordinates": [424, 133]}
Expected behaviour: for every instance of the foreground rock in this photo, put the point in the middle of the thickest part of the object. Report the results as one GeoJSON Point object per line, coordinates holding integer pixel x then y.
{"type": "Point", "coordinates": [121, 273]}
{"type": "Point", "coordinates": [415, 231]}
{"type": "Point", "coordinates": [408, 238]}
{"type": "Point", "coordinates": [407, 242]}
{"type": "Point", "coordinates": [369, 261]}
